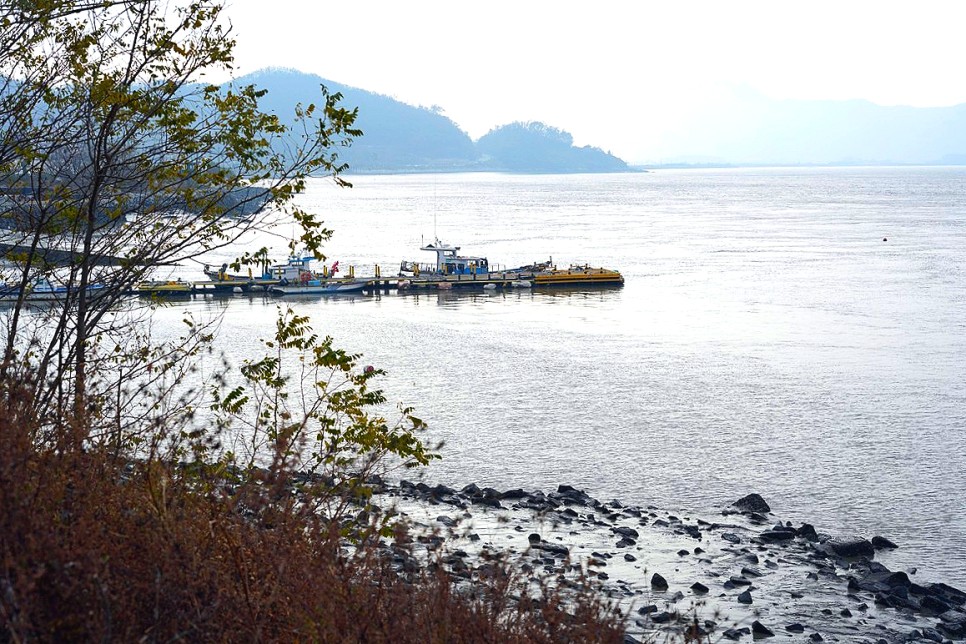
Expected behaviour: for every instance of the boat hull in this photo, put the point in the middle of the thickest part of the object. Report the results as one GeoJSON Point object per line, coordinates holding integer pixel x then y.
{"type": "Point", "coordinates": [329, 288]}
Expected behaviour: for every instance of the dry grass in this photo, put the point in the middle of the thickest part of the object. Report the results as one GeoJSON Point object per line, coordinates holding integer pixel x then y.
{"type": "Point", "coordinates": [92, 548]}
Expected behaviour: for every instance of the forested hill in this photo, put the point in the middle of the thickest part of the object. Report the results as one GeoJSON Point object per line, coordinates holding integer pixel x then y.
{"type": "Point", "coordinates": [404, 138]}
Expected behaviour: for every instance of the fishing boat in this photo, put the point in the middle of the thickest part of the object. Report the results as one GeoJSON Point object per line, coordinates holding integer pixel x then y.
{"type": "Point", "coordinates": [43, 290]}
{"type": "Point", "coordinates": [452, 270]}
{"type": "Point", "coordinates": [321, 287]}
{"type": "Point", "coordinates": [295, 270]}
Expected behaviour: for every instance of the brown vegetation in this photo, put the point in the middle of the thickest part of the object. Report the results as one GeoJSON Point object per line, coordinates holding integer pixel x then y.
{"type": "Point", "coordinates": [93, 548]}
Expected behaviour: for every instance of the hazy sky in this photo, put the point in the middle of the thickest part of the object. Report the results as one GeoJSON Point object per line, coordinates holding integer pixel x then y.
{"type": "Point", "coordinates": [623, 76]}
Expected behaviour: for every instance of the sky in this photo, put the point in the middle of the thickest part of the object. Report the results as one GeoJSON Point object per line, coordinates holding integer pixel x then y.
{"type": "Point", "coordinates": [622, 76]}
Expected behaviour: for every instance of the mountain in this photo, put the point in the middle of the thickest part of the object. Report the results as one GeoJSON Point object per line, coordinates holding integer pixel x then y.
{"type": "Point", "coordinates": [745, 127]}
{"type": "Point", "coordinates": [403, 138]}
{"type": "Point", "coordinates": [536, 147]}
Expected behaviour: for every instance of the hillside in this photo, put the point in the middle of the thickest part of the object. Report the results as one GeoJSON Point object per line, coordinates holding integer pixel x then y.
{"type": "Point", "coordinates": [404, 138]}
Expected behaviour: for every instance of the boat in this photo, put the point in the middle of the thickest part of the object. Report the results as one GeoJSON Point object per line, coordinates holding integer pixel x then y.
{"type": "Point", "coordinates": [297, 269]}
{"type": "Point", "coordinates": [321, 287]}
{"type": "Point", "coordinates": [164, 288]}
{"type": "Point", "coordinates": [43, 290]}
{"type": "Point", "coordinates": [452, 270]}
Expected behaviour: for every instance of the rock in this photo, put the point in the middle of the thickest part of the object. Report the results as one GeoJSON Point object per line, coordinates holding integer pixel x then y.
{"type": "Point", "coordinates": [745, 597]}
{"type": "Point", "coordinates": [631, 640]}
{"type": "Point", "coordinates": [625, 531]}
{"type": "Point", "coordinates": [629, 557]}
{"type": "Point", "coordinates": [449, 522]}
{"type": "Point", "coordinates": [554, 549]}
{"type": "Point", "coordinates": [776, 535]}
{"type": "Point", "coordinates": [534, 538]}
{"type": "Point", "coordinates": [658, 582]}
{"type": "Point", "coordinates": [752, 503]}
{"type": "Point", "coordinates": [807, 531]}
{"type": "Point", "coordinates": [699, 588]}
{"type": "Point", "coordinates": [952, 623]}
{"type": "Point", "coordinates": [730, 537]}
{"type": "Point", "coordinates": [815, 637]}
{"type": "Point", "coordinates": [647, 610]}
{"type": "Point", "coordinates": [514, 494]}
{"type": "Point", "coordinates": [470, 490]}
{"type": "Point", "coordinates": [760, 630]}
{"type": "Point", "coordinates": [661, 618]}
{"type": "Point", "coordinates": [853, 547]}
{"type": "Point", "coordinates": [683, 553]}
{"type": "Point", "coordinates": [795, 628]}
{"type": "Point", "coordinates": [881, 543]}
{"type": "Point", "coordinates": [736, 633]}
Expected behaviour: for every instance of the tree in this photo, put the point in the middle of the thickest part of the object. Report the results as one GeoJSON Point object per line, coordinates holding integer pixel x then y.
{"type": "Point", "coordinates": [115, 155]}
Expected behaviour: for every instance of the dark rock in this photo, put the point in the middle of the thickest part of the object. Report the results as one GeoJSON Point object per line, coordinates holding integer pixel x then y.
{"type": "Point", "coordinates": [629, 557]}
{"type": "Point", "coordinates": [514, 494]}
{"type": "Point", "coordinates": [745, 597]}
{"type": "Point", "coordinates": [946, 593]}
{"type": "Point", "coordinates": [534, 538]}
{"type": "Point", "coordinates": [661, 618]}
{"type": "Point", "coordinates": [449, 522]}
{"type": "Point", "coordinates": [760, 630]}
{"type": "Point", "coordinates": [625, 543]}
{"type": "Point", "coordinates": [442, 490]}
{"type": "Point", "coordinates": [731, 537]}
{"type": "Point", "coordinates": [739, 581]}
{"type": "Point", "coordinates": [628, 639]}
{"type": "Point", "coordinates": [557, 550]}
{"type": "Point", "coordinates": [854, 547]}
{"type": "Point", "coordinates": [683, 553]}
{"type": "Point", "coordinates": [658, 582]}
{"type": "Point", "coordinates": [750, 572]}
{"type": "Point", "coordinates": [647, 610]}
{"type": "Point", "coordinates": [736, 633]}
{"type": "Point", "coordinates": [881, 543]}
{"type": "Point", "coordinates": [795, 628]}
{"type": "Point", "coordinates": [625, 531]}
{"type": "Point", "coordinates": [952, 623]}
{"type": "Point", "coordinates": [470, 490]}
{"type": "Point", "coordinates": [699, 588]}
{"type": "Point", "coordinates": [752, 503]}
{"type": "Point", "coordinates": [815, 637]}
{"type": "Point", "coordinates": [845, 612]}
{"type": "Point", "coordinates": [807, 531]}
{"type": "Point", "coordinates": [776, 535]}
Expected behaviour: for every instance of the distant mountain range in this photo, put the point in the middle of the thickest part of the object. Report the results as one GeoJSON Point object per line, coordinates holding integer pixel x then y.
{"type": "Point", "coordinates": [743, 127]}
{"type": "Point", "coordinates": [403, 138]}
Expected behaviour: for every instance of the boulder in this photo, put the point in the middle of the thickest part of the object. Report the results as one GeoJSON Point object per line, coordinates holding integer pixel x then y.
{"type": "Point", "coordinates": [752, 503]}
{"type": "Point", "coordinates": [881, 543]}
{"type": "Point", "coordinates": [658, 582]}
{"type": "Point", "coordinates": [852, 547]}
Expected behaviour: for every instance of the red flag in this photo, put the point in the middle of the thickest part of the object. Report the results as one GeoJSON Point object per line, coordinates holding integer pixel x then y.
{"type": "Point", "coordinates": [335, 268]}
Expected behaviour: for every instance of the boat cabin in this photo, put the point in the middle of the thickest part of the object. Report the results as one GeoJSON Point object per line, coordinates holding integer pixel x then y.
{"type": "Point", "coordinates": [449, 262]}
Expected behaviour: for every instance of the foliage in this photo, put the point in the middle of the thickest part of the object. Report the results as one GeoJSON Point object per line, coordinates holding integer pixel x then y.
{"type": "Point", "coordinates": [115, 156]}
{"type": "Point", "coordinates": [318, 419]}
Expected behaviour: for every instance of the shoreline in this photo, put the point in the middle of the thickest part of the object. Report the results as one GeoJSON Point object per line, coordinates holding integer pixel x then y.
{"type": "Point", "coordinates": [740, 576]}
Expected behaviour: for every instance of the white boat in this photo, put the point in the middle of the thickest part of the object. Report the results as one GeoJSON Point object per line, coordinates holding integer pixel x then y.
{"type": "Point", "coordinates": [43, 290]}
{"type": "Point", "coordinates": [320, 287]}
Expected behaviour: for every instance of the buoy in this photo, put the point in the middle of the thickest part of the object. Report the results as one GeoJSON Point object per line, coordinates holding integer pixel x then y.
{"type": "Point", "coordinates": [237, 290]}
{"type": "Point", "coordinates": [884, 239]}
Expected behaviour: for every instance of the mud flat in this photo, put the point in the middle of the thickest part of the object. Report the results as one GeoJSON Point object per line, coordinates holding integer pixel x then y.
{"type": "Point", "coordinates": [742, 575]}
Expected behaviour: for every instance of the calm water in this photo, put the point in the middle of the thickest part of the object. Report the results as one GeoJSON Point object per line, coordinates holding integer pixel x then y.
{"type": "Point", "coordinates": [767, 339]}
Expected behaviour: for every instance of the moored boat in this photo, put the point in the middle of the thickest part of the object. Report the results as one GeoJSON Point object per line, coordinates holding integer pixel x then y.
{"type": "Point", "coordinates": [321, 287]}
{"type": "Point", "coordinates": [452, 270]}
{"type": "Point", "coordinates": [164, 288]}
{"type": "Point", "coordinates": [43, 290]}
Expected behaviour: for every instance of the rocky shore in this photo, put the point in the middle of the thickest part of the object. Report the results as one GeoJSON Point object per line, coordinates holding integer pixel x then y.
{"type": "Point", "coordinates": [743, 575]}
